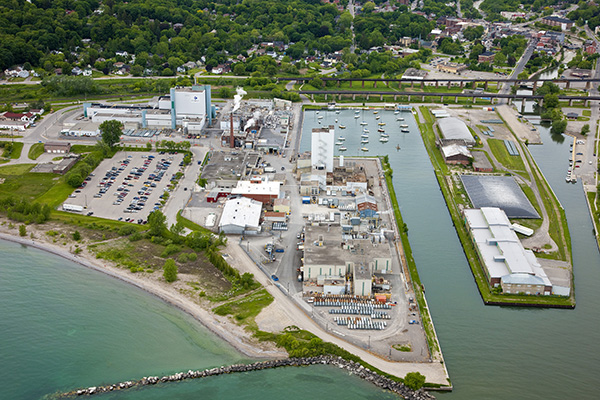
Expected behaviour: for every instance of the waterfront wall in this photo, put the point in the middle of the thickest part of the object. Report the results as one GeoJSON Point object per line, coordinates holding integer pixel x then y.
{"type": "Point", "coordinates": [351, 366]}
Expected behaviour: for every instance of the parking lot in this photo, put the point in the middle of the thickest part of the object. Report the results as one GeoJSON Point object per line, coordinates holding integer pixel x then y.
{"type": "Point", "coordinates": [129, 186]}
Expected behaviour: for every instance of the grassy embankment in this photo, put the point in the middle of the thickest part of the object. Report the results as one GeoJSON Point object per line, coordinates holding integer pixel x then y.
{"type": "Point", "coordinates": [475, 264]}
{"type": "Point", "coordinates": [35, 151]}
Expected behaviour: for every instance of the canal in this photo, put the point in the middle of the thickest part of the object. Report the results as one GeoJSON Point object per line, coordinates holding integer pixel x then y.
{"type": "Point", "coordinates": [491, 352]}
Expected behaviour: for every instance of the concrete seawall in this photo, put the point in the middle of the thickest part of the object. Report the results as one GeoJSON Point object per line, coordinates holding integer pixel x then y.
{"type": "Point", "coordinates": [350, 366]}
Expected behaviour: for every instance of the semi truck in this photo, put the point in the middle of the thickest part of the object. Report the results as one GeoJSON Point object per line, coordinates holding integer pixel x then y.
{"type": "Point", "coordinates": [72, 207]}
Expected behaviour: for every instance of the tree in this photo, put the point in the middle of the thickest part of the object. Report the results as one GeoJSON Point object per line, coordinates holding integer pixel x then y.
{"type": "Point", "coordinates": [137, 70]}
{"type": "Point", "coordinates": [74, 179]}
{"type": "Point", "coordinates": [177, 229]}
{"type": "Point", "coordinates": [414, 380]}
{"type": "Point", "coordinates": [317, 83]}
{"type": "Point", "coordinates": [76, 236]}
{"type": "Point", "coordinates": [170, 271]}
{"type": "Point", "coordinates": [22, 230]}
{"type": "Point", "coordinates": [558, 127]}
{"type": "Point", "coordinates": [551, 101]}
{"type": "Point", "coordinates": [149, 146]}
{"type": "Point", "coordinates": [157, 223]}
{"type": "Point", "coordinates": [499, 58]}
{"type": "Point", "coordinates": [111, 132]}
{"type": "Point", "coordinates": [585, 129]}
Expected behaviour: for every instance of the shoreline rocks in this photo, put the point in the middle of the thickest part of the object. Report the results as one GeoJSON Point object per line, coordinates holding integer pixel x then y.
{"type": "Point", "coordinates": [350, 366]}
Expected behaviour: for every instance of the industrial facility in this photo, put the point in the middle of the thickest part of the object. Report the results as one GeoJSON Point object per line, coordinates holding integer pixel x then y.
{"type": "Point", "coordinates": [507, 264]}
{"type": "Point", "coordinates": [187, 108]}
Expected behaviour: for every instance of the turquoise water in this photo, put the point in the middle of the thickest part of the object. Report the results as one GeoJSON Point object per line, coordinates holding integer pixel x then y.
{"type": "Point", "coordinates": [64, 326]}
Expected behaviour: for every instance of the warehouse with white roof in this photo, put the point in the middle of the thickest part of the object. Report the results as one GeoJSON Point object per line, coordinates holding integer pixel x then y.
{"type": "Point", "coordinates": [506, 262]}
{"type": "Point", "coordinates": [455, 129]}
{"type": "Point", "coordinates": [240, 216]}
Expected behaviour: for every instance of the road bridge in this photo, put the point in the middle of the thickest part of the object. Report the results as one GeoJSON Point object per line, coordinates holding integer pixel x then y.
{"type": "Point", "coordinates": [339, 94]}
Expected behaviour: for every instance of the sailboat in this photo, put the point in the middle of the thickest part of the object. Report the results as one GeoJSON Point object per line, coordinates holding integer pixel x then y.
{"type": "Point", "coordinates": [343, 148]}
{"type": "Point", "coordinates": [364, 141]}
{"type": "Point", "coordinates": [383, 139]}
{"type": "Point", "coordinates": [364, 149]}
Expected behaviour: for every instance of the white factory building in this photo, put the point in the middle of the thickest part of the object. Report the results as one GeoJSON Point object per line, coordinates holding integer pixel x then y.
{"type": "Point", "coordinates": [240, 216]}
{"type": "Point", "coordinates": [322, 146]}
{"type": "Point", "coordinates": [506, 262]}
{"type": "Point", "coordinates": [185, 107]}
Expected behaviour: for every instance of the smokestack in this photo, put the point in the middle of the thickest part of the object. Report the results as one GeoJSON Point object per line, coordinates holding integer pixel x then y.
{"type": "Point", "coordinates": [231, 137]}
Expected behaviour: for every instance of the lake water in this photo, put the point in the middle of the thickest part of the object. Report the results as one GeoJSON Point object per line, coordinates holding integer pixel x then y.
{"type": "Point", "coordinates": [64, 326]}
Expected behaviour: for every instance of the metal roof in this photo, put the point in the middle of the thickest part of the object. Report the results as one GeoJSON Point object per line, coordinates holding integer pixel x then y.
{"type": "Point", "coordinates": [455, 128]}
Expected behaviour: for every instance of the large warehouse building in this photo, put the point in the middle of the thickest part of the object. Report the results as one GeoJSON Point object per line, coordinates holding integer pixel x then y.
{"type": "Point", "coordinates": [506, 262]}
{"type": "Point", "coordinates": [453, 128]}
{"type": "Point", "coordinates": [189, 108]}
{"type": "Point", "coordinates": [240, 216]}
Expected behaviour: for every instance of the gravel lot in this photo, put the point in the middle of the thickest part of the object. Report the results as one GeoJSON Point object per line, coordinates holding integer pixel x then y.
{"type": "Point", "coordinates": [128, 180]}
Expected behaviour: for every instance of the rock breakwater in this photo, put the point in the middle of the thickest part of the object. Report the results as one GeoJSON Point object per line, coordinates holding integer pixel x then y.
{"type": "Point", "coordinates": [350, 366]}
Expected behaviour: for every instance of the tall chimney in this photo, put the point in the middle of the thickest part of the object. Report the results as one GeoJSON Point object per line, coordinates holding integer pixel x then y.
{"type": "Point", "coordinates": [231, 137]}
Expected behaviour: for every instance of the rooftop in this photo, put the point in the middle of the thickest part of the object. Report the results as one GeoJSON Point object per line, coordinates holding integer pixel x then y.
{"type": "Point", "coordinates": [498, 191]}
{"type": "Point", "coordinates": [263, 188]}
{"type": "Point", "coordinates": [503, 254]}
{"type": "Point", "coordinates": [455, 128]}
{"type": "Point", "coordinates": [242, 212]}
{"type": "Point", "coordinates": [224, 165]}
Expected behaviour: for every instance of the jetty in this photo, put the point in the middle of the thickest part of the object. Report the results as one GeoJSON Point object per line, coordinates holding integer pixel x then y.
{"type": "Point", "coordinates": [351, 367]}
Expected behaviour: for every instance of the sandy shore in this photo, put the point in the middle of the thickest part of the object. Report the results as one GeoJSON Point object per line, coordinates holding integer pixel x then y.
{"type": "Point", "coordinates": [233, 334]}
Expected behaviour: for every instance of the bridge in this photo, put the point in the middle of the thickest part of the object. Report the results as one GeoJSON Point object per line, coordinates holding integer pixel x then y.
{"type": "Point", "coordinates": [448, 82]}
{"type": "Point", "coordinates": [509, 96]}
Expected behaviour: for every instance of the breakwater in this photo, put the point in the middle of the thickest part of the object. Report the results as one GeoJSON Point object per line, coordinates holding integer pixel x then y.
{"type": "Point", "coordinates": [351, 366]}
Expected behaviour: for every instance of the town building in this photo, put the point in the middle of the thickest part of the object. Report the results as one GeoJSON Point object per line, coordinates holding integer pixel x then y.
{"type": "Point", "coordinates": [240, 216]}
{"type": "Point", "coordinates": [57, 147]}
{"type": "Point", "coordinates": [554, 20]}
{"type": "Point", "coordinates": [487, 57]}
{"type": "Point", "coordinates": [507, 264]}
{"type": "Point", "coordinates": [456, 154]}
{"type": "Point", "coordinates": [265, 192]}
{"type": "Point", "coordinates": [451, 67]}
{"type": "Point", "coordinates": [481, 163]}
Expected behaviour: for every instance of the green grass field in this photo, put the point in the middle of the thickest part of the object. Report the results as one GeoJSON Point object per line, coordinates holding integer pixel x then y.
{"type": "Point", "coordinates": [513, 163]}
{"type": "Point", "coordinates": [36, 150]}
